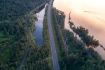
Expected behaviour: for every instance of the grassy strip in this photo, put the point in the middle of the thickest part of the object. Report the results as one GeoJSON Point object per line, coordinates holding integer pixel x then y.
{"type": "Point", "coordinates": [57, 37]}
{"type": "Point", "coordinates": [46, 38]}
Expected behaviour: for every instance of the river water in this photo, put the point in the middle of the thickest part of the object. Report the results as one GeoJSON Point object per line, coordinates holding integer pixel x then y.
{"type": "Point", "coordinates": [38, 33]}
{"type": "Point", "coordinates": [87, 13]}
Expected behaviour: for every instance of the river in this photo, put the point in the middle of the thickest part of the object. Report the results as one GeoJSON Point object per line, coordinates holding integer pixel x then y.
{"type": "Point", "coordinates": [38, 32]}
{"type": "Point", "coordinates": [87, 13]}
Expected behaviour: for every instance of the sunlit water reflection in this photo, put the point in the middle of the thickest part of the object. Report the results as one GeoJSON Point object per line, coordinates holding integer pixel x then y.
{"type": "Point", "coordinates": [38, 33]}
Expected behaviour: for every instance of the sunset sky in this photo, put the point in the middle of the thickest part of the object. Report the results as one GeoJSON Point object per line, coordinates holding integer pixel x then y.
{"type": "Point", "coordinates": [94, 9]}
{"type": "Point", "coordinates": [92, 6]}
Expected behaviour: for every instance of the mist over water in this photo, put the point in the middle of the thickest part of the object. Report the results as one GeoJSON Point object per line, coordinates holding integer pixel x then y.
{"type": "Point", "coordinates": [87, 13]}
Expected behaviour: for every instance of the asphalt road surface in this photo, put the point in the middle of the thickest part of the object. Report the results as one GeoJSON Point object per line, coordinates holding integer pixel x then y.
{"type": "Point", "coordinates": [51, 36]}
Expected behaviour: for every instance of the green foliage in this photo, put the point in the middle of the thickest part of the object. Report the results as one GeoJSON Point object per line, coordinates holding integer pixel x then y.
{"type": "Point", "coordinates": [80, 58]}
{"type": "Point", "coordinates": [12, 9]}
{"type": "Point", "coordinates": [84, 35]}
{"type": "Point", "coordinates": [58, 20]}
{"type": "Point", "coordinates": [16, 27]}
{"type": "Point", "coordinates": [39, 58]}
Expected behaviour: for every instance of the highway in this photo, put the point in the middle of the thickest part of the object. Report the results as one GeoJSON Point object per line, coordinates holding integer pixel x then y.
{"type": "Point", "coordinates": [51, 36]}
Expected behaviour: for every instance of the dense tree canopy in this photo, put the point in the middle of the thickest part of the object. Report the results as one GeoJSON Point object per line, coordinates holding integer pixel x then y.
{"type": "Point", "coordinates": [16, 39]}
{"type": "Point", "coordinates": [80, 58]}
{"type": "Point", "coordinates": [84, 35]}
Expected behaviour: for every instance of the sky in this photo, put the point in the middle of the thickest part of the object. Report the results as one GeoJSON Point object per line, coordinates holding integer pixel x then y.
{"type": "Point", "coordinates": [93, 14]}
{"type": "Point", "coordinates": [87, 13]}
{"type": "Point", "coordinates": [96, 7]}
{"type": "Point", "coordinates": [93, 6]}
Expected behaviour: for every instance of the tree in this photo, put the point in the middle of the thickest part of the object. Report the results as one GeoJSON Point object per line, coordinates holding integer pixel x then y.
{"type": "Point", "coordinates": [84, 35]}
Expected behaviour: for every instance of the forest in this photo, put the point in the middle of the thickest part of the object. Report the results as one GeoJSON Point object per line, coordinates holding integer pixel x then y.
{"type": "Point", "coordinates": [18, 50]}
{"type": "Point", "coordinates": [17, 45]}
